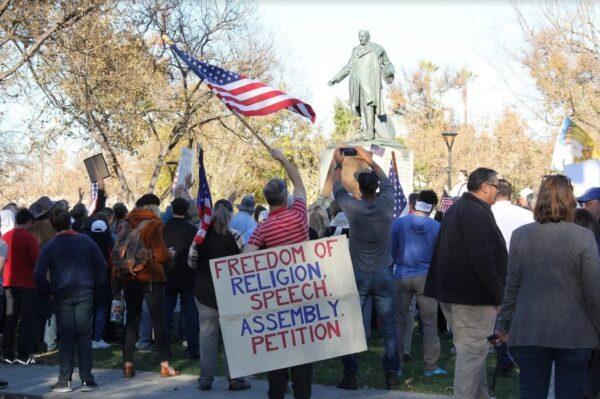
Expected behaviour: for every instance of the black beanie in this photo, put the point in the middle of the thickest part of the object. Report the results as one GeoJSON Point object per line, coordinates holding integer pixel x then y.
{"type": "Point", "coordinates": [148, 199]}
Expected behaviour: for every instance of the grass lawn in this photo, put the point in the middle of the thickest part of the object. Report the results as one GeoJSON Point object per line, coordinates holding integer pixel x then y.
{"type": "Point", "coordinates": [327, 372]}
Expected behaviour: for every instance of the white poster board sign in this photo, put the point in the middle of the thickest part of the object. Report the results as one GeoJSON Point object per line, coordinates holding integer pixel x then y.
{"type": "Point", "coordinates": [289, 305]}
{"type": "Point", "coordinates": [184, 167]}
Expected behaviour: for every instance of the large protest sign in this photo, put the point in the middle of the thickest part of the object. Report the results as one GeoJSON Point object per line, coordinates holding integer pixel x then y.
{"type": "Point", "coordinates": [288, 305]}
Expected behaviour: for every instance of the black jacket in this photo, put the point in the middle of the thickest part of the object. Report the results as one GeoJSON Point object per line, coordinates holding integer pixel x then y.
{"type": "Point", "coordinates": [214, 246]}
{"type": "Point", "coordinates": [469, 259]}
{"type": "Point", "coordinates": [179, 233]}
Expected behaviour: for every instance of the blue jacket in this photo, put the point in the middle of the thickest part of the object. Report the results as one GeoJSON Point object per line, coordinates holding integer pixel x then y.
{"type": "Point", "coordinates": [75, 264]}
{"type": "Point", "coordinates": [413, 239]}
{"type": "Point", "coordinates": [243, 223]}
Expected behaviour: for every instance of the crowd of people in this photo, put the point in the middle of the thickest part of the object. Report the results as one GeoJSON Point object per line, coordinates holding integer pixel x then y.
{"type": "Point", "coordinates": [523, 276]}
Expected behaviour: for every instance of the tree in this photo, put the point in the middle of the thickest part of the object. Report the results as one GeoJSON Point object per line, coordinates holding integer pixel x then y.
{"type": "Point", "coordinates": [120, 88]}
{"type": "Point", "coordinates": [346, 124]}
{"type": "Point", "coordinates": [562, 56]}
{"type": "Point", "coordinates": [25, 26]}
{"type": "Point", "coordinates": [462, 80]}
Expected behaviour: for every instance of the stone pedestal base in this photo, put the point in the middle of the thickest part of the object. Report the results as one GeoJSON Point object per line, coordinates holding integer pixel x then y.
{"type": "Point", "coordinates": [404, 161]}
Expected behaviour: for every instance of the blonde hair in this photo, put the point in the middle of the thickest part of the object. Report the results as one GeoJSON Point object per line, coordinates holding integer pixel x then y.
{"type": "Point", "coordinates": [220, 219]}
{"type": "Point", "coordinates": [318, 220]}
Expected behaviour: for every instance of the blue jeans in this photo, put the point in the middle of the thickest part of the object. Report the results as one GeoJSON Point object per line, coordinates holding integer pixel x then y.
{"type": "Point", "coordinates": [190, 316]}
{"type": "Point", "coordinates": [74, 327]}
{"type": "Point", "coordinates": [102, 303]}
{"type": "Point", "coordinates": [145, 331]}
{"type": "Point", "coordinates": [535, 363]}
{"type": "Point", "coordinates": [380, 285]}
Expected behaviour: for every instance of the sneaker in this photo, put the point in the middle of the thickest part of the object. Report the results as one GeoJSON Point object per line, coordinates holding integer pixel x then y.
{"type": "Point", "coordinates": [28, 362]}
{"type": "Point", "coordinates": [438, 371]}
{"type": "Point", "coordinates": [62, 387]}
{"type": "Point", "coordinates": [238, 384]}
{"type": "Point", "coordinates": [87, 386]}
{"type": "Point", "coordinates": [391, 381]}
{"type": "Point", "coordinates": [3, 384]}
{"type": "Point", "coordinates": [348, 382]}
{"type": "Point", "coordinates": [102, 344]}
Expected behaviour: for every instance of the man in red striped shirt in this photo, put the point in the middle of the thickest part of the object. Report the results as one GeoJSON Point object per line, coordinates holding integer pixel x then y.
{"type": "Point", "coordinates": [284, 226]}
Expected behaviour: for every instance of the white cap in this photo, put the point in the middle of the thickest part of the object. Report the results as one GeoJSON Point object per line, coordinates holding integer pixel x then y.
{"type": "Point", "coordinates": [526, 192]}
{"type": "Point", "coordinates": [99, 226]}
{"type": "Point", "coordinates": [423, 207]}
{"type": "Point", "coordinates": [263, 215]}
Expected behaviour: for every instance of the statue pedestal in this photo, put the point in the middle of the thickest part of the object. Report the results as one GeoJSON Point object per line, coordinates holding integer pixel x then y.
{"type": "Point", "coordinates": [404, 161]}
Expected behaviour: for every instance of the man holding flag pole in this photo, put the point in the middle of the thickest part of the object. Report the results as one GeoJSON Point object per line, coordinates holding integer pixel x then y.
{"type": "Point", "coordinates": [249, 97]}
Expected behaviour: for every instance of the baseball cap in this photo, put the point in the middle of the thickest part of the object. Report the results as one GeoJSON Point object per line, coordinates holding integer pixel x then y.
{"type": "Point", "coordinates": [99, 226]}
{"type": "Point", "coordinates": [590, 195]}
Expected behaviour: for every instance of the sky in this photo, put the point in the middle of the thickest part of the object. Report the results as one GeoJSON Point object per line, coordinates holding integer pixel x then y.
{"type": "Point", "coordinates": [315, 40]}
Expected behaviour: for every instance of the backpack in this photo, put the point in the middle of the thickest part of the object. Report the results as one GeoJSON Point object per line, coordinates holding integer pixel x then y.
{"type": "Point", "coordinates": [130, 256]}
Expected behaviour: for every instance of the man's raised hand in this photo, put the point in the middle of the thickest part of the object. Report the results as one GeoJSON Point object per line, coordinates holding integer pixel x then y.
{"type": "Point", "coordinates": [278, 155]}
{"type": "Point", "coordinates": [338, 157]}
{"type": "Point", "coordinates": [363, 154]}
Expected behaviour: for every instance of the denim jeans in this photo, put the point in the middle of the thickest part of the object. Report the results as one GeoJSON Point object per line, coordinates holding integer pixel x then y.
{"type": "Point", "coordinates": [22, 306]}
{"type": "Point", "coordinates": [145, 330]}
{"type": "Point", "coordinates": [535, 363]}
{"type": "Point", "coordinates": [380, 285]}
{"type": "Point", "coordinates": [592, 389]}
{"type": "Point", "coordinates": [190, 316]}
{"type": "Point", "coordinates": [74, 327]}
{"type": "Point", "coordinates": [102, 303]}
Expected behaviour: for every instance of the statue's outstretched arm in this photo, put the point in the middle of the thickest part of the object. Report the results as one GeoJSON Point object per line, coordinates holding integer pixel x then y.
{"type": "Point", "coordinates": [345, 71]}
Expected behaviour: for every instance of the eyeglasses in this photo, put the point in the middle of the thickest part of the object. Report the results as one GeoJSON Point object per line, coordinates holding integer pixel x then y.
{"type": "Point", "coordinates": [492, 184]}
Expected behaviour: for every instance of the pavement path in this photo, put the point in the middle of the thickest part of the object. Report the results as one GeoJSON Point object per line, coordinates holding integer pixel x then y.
{"type": "Point", "coordinates": [34, 382]}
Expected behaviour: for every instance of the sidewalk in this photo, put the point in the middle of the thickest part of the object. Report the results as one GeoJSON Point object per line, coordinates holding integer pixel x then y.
{"type": "Point", "coordinates": [34, 382]}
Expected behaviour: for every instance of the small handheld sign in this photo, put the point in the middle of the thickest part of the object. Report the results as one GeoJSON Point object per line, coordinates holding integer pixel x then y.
{"type": "Point", "coordinates": [96, 168]}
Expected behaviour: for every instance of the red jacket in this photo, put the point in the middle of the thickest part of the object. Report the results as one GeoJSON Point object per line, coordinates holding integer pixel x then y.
{"type": "Point", "coordinates": [23, 251]}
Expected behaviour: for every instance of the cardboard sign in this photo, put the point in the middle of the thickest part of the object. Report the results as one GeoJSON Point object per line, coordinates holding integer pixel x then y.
{"type": "Point", "coordinates": [289, 305]}
{"type": "Point", "coordinates": [96, 168]}
{"type": "Point", "coordinates": [184, 167]}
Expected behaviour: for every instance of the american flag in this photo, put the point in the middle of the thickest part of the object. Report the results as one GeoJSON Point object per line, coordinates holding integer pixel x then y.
{"type": "Point", "coordinates": [204, 201]}
{"type": "Point", "coordinates": [446, 203]}
{"type": "Point", "coordinates": [94, 197]}
{"type": "Point", "coordinates": [400, 201]}
{"type": "Point", "coordinates": [246, 96]}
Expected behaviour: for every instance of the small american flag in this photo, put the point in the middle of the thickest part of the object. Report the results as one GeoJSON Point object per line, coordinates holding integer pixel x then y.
{"type": "Point", "coordinates": [446, 203]}
{"type": "Point", "coordinates": [400, 201]}
{"type": "Point", "coordinates": [94, 197]}
{"type": "Point", "coordinates": [248, 97]}
{"type": "Point", "coordinates": [204, 201]}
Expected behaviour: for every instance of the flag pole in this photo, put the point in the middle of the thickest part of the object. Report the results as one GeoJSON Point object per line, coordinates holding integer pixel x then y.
{"type": "Point", "coordinates": [168, 41]}
{"type": "Point", "coordinates": [252, 130]}
{"type": "Point", "coordinates": [395, 165]}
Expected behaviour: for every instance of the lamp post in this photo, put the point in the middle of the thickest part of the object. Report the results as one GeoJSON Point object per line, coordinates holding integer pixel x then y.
{"type": "Point", "coordinates": [449, 139]}
{"type": "Point", "coordinates": [172, 165]}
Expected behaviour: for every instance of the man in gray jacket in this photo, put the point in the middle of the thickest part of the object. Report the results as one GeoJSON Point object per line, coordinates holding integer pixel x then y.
{"type": "Point", "coordinates": [370, 221]}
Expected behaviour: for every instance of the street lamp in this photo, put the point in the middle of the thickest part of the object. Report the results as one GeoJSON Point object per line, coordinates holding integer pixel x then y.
{"type": "Point", "coordinates": [172, 165]}
{"type": "Point", "coordinates": [449, 139]}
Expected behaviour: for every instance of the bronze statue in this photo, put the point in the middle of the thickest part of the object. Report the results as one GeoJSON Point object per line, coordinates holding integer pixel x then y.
{"type": "Point", "coordinates": [368, 64]}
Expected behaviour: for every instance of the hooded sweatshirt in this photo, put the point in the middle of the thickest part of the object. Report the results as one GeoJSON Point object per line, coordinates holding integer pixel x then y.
{"type": "Point", "coordinates": [7, 221]}
{"type": "Point", "coordinates": [413, 239]}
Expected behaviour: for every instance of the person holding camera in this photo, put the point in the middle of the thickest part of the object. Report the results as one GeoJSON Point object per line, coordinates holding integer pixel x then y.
{"type": "Point", "coordinates": [370, 218]}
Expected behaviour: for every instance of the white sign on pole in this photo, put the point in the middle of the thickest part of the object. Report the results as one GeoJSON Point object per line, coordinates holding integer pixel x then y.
{"type": "Point", "coordinates": [288, 305]}
{"type": "Point", "coordinates": [184, 167]}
